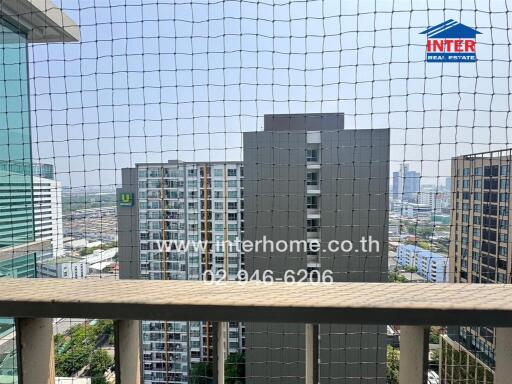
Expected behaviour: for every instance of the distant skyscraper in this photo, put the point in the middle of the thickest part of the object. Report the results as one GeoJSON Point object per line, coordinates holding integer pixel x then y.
{"type": "Point", "coordinates": [406, 184]}
{"type": "Point", "coordinates": [411, 183]}
{"type": "Point", "coordinates": [480, 250]}
{"type": "Point", "coordinates": [48, 208]}
{"type": "Point", "coordinates": [448, 184]}
{"type": "Point", "coordinates": [182, 201]}
{"type": "Point", "coordinates": [306, 178]}
{"type": "Point", "coordinates": [396, 186]}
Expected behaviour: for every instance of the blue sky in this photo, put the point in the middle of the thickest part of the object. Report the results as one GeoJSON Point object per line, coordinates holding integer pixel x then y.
{"type": "Point", "coordinates": [157, 80]}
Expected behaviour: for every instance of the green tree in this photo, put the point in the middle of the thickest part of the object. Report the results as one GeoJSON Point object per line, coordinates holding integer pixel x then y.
{"type": "Point", "coordinates": [394, 277]}
{"type": "Point", "coordinates": [234, 368]}
{"type": "Point", "coordinates": [100, 362]}
{"type": "Point", "coordinates": [75, 349]}
{"type": "Point", "coordinates": [393, 365]}
{"type": "Point", "coordinates": [201, 373]}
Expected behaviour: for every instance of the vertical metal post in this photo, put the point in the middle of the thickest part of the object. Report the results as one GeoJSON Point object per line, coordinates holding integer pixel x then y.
{"type": "Point", "coordinates": [36, 357]}
{"type": "Point", "coordinates": [311, 371]}
{"type": "Point", "coordinates": [413, 354]}
{"type": "Point", "coordinates": [218, 352]}
{"type": "Point", "coordinates": [503, 371]}
{"type": "Point", "coordinates": [127, 351]}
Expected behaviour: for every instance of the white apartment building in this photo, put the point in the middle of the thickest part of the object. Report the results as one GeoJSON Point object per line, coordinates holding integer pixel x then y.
{"type": "Point", "coordinates": [185, 202]}
{"type": "Point", "coordinates": [48, 212]}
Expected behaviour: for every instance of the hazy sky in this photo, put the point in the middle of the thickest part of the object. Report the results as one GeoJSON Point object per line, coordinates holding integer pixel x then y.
{"type": "Point", "coordinates": [157, 80]}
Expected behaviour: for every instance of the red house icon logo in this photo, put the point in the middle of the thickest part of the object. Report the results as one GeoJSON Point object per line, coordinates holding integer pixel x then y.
{"type": "Point", "coordinates": [451, 42]}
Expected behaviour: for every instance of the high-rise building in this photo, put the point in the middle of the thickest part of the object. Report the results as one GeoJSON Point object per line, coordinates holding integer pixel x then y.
{"type": "Point", "coordinates": [406, 184]}
{"type": "Point", "coordinates": [180, 201]}
{"type": "Point", "coordinates": [411, 185]}
{"type": "Point", "coordinates": [47, 197]}
{"type": "Point", "coordinates": [21, 22]}
{"type": "Point", "coordinates": [480, 251]}
{"type": "Point", "coordinates": [307, 178]}
{"type": "Point", "coordinates": [396, 186]}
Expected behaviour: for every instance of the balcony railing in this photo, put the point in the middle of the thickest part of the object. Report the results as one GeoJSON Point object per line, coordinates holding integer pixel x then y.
{"type": "Point", "coordinates": [34, 302]}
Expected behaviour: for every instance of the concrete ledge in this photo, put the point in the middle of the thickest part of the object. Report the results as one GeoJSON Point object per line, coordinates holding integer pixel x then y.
{"type": "Point", "coordinates": [43, 21]}
{"type": "Point", "coordinates": [349, 303]}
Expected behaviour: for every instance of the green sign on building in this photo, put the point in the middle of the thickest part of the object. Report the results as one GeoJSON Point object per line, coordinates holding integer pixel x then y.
{"type": "Point", "coordinates": [126, 200]}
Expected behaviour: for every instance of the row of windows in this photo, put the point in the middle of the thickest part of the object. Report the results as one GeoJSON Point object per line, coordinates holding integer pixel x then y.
{"type": "Point", "coordinates": [217, 205]}
{"type": "Point", "coordinates": [488, 183]}
{"type": "Point", "coordinates": [157, 172]}
{"type": "Point", "coordinates": [489, 170]}
{"type": "Point", "coordinates": [487, 196]}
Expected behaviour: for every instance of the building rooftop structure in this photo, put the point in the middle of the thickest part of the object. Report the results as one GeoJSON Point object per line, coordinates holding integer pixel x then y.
{"type": "Point", "coordinates": [42, 19]}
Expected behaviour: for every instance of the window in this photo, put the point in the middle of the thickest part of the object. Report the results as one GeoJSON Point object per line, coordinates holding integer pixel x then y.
{"type": "Point", "coordinates": [232, 172]}
{"type": "Point", "coordinates": [490, 183]}
{"type": "Point", "coordinates": [478, 171]}
{"type": "Point", "coordinates": [491, 170]}
{"type": "Point", "coordinates": [477, 196]}
{"type": "Point", "coordinates": [312, 155]}
{"type": "Point", "coordinates": [504, 183]}
{"type": "Point", "coordinates": [232, 216]}
{"type": "Point", "coordinates": [218, 216]}
{"type": "Point", "coordinates": [503, 237]}
{"type": "Point", "coordinates": [232, 227]}
{"type": "Point", "coordinates": [232, 194]}
{"type": "Point", "coordinates": [218, 184]}
{"type": "Point", "coordinates": [478, 184]}
{"type": "Point", "coordinates": [219, 172]}
{"type": "Point", "coordinates": [312, 202]}
{"type": "Point", "coordinates": [504, 197]}
{"type": "Point", "coordinates": [232, 205]}
{"type": "Point", "coordinates": [218, 205]}
{"type": "Point", "coordinates": [219, 227]}
{"type": "Point", "coordinates": [466, 172]}
{"type": "Point", "coordinates": [477, 208]}
{"type": "Point", "coordinates": [312, 178]}
{"type": "Point", "coordinates": [504, 169]}
{"type": "Point", "coordinates": [192, 172]}
{"type": "Point", "coordinates": [232, 183]}
{"type": "Point", "coordinates": [218, 194]}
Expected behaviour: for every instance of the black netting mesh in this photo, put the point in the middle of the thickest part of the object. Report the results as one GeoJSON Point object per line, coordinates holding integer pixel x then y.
{"type": "Point", "coordinates": [133, 131]}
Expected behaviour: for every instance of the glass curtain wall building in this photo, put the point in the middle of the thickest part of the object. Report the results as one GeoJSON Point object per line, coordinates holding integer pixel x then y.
{"type": "Point", "coordinates": [21, 22]}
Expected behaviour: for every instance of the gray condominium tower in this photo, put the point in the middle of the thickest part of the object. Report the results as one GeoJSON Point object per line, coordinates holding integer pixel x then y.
{"type": "Point", "coordinates": [307, 178]}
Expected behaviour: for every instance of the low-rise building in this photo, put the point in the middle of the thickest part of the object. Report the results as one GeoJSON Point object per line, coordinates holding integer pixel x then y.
{"type": "Point", "coordinates": [430, 265]}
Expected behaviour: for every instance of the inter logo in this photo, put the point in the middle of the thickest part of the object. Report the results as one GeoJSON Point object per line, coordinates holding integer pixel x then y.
{"type": "Point", "coordinates": [451, 42]}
